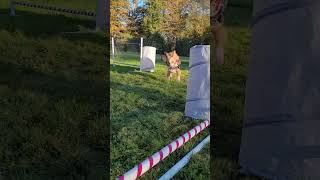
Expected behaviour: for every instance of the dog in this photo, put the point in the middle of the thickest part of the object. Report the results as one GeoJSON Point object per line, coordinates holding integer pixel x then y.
{"type": "Point", "coordinates": [173, 62]}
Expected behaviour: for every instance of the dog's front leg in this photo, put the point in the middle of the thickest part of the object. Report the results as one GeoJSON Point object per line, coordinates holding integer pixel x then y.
{"type": "Point", "coordinates": [178, 75]}
{"type": "Point", "coordinates": [169, 75]}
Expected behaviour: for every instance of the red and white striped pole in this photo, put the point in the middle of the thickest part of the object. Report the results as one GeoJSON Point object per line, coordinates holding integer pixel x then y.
{"type": "Point", "coordinates": [151, 161]}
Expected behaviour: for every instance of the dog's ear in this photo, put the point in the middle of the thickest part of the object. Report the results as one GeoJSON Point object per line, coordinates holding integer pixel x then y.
{"type": "Point", "coordinates": [165, 57]}
{"type": "Point", "coordinates": [168, 55]}
{"type": "Point", "coordinates": [175, 52]}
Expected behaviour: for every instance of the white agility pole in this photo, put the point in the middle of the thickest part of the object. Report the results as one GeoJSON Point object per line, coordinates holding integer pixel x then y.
{"type": "Point", "coordinates": [112, 49]}
{"type": "Point", "coordinates": [141, 48]}
{"type": "Point", "coordinates": [157, 157]}
{"type": "Point", "coordinates": [177, 167]}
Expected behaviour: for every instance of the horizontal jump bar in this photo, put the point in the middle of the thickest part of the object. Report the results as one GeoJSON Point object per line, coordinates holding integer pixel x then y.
{"type": "Point", "coordinates": [54, 8]}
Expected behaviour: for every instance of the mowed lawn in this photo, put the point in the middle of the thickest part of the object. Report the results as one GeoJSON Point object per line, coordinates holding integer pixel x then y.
{"type": "Point", "coordinates": [147, 113]}
{"type": "Point", "coordinates": [53, 121]}
{"type": "Point", "coordinates": [228, 83]}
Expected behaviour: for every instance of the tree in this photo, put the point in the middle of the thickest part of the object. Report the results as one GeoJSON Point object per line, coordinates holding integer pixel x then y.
{"type": "Point", "coordinates": [153, 19]}
{"type": "Point", "coordinates": [198, 20]}
{"type": "Point", "coordinates": [175, 17]}
{"type": "Point", "coordinates": [162, 21]}
{"type": "Point", "coordinates": [136, 17]}
{"type": "Point", "coordinates": [119, 10]}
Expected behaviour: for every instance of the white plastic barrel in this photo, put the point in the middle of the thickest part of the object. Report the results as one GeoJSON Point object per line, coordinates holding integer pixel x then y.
{"type": "Point", "coordinates": [148, 60]}
{"type": "Point", "coordinates": [198, 89]}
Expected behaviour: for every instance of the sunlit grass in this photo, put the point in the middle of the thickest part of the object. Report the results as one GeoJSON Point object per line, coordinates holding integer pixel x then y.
{"type": "Point", "coordinates": [147, 113]}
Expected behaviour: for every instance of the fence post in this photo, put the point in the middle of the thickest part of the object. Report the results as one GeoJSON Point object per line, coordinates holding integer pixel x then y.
{"type": "Point", "coordinates": [141, 48]}
{"type": "Point", "coordinates": [112, 49]}
{"type": "Point", "coordinates": [11, 8]}
{"type": "Point", "coordinates": [102, 15]}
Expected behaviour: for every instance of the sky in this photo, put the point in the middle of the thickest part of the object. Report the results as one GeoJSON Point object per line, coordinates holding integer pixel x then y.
{"type": "Point", "coordinates": [140, 2]}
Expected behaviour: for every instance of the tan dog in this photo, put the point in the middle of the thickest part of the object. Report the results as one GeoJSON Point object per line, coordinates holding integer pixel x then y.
{"type": "Point", "coordinates": [173, 62]}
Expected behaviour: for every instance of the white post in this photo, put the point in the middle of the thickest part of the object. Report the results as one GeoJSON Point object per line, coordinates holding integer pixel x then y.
{"type": "Point", "coordinates": [102, 15]}
{"type": "Point", "coordinates": [112, 49]}
{"type": "Point", "coordinates": [11, 8]}
{"type": "Point", "coordinates": [185, 160]}
{"type": "Point", "coordinates": [141, 48]}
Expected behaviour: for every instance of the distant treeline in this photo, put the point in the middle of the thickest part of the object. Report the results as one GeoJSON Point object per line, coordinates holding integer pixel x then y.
{"type": "Point", "coordinates": [164, 24]}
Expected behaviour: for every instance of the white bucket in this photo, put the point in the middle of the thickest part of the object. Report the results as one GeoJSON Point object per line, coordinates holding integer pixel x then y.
{"type": "Point", "coordinates": [148, 60]}
{"type": "Point", "coordinates": [198, 90]}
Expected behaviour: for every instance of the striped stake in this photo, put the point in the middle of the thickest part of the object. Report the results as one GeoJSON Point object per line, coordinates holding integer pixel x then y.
{"type": "Point", "coordinates": [151, 161]}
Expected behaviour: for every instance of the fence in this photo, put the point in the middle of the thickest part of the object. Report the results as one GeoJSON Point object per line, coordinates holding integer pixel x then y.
{"type": "Point", "coordinates": [129, 53]}
{"type": "Point", "coordinates": [101, 15]}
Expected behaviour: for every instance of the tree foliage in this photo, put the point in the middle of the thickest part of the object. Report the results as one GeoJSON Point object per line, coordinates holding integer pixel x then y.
{"type": "Point", "coordinates": [119, 17]}
{"type": "Point", "coordinates": [162, 20]}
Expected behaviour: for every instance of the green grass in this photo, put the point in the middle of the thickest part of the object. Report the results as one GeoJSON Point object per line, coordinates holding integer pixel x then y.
{"type": "Point", "coordinates": [132, 58]}
{"type": "Point", "coordinates": [147, 114]}
{"type": "Point", "coordinates": [198, 167]}
{"type": "Point", "coordinates": [228, 82]}
{"type": "Point", "coordinates": [53, 122]}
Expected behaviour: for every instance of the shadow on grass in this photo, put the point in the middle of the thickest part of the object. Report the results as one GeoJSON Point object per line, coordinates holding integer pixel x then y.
{"type": "Point", "coordinates": [58, 117]}
{"type": "Point", "coordinates": [56, 87]}
{"type": "Point", "coordinates": [124, 68]}
{"type": "Point", "coordinates": [37, 25]}
{"type": "Point", "coordinates": [228, 82]}
{"type": "Point", "coordinates": [134, 69]}
{"type": "Point", "coordinates": [128, 69]}
{"type": "Point", "coordinates": [152, 108]}
{"type": "Point", "coordinates": [169, 101]}
{"type": "Point", "coordinates": [238, 16]}
{"type": "Point", "coordinates": [228, 108]}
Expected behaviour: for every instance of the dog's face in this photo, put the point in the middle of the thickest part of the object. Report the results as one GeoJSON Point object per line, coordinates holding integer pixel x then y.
{"type": "Point", "coordinates": [172, 59]}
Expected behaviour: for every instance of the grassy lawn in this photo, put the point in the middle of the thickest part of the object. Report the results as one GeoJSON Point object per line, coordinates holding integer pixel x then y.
{"type": "Point", "coordinates": [229, 93]}
{"type": "Point", "coordinates": [53, 122]}
{"type": "Point", "coordinates": [147, 114]}
{"type": "Point", "coordinates": [198, 167]}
